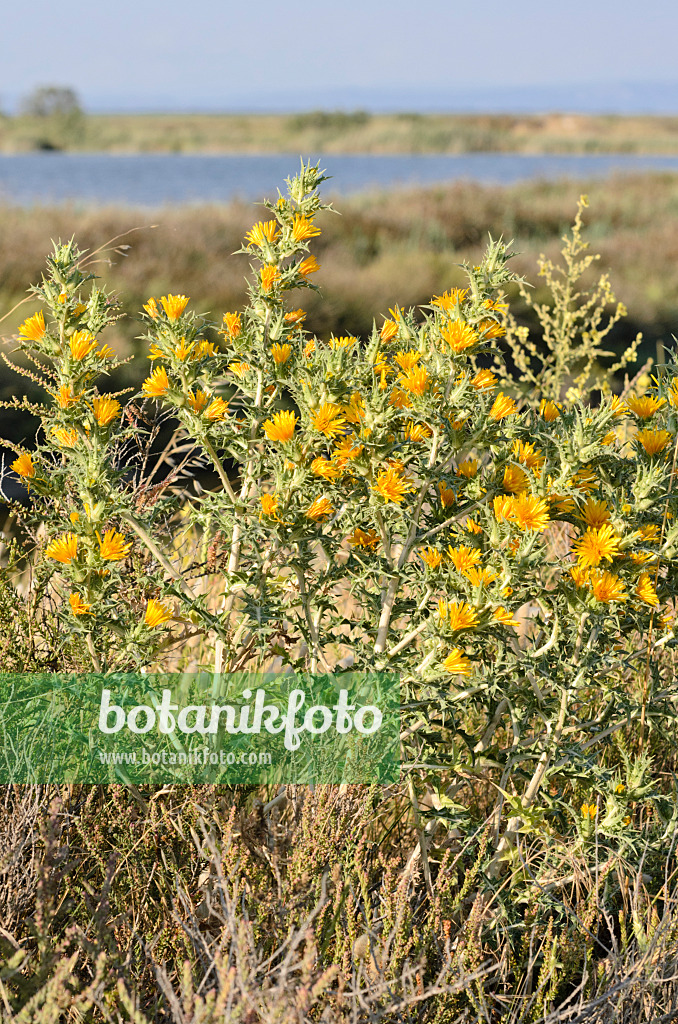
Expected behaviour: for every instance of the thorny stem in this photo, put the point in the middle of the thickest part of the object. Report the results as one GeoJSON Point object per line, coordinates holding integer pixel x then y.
{"type": "Point", "coordinates": [148, 541]}
{"type": "Point", "coordinates": [216, 461]}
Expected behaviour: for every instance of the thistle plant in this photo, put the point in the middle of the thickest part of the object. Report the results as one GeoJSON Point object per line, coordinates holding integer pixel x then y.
{"type": "Point", "coordinates": [388, 502]}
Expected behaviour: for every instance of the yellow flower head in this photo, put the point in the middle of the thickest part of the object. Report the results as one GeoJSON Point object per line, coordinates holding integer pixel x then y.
{"type": "Point", "coordinates": [151, 308]}
{"type": "Point", "coordinates": [457, 663]}
{"type": "Point", "coordinates": [504, 617]}
{"type": "Point", "coordinates": [184, 349]}
{"type": "Point", "coordinates": [447, 497]}
{"type": "Point", "coordinates": [468, 468]}
{"type": "Point", "coordinates": [320, 508]}
{"type": "Point", "coordinates": [607, 587]}
{"type": "Point", "coordinates": [653, 441]}
{"type": "Point", "coordinates": [594, 513]}
{"type": "Point", "coordinates": [580, 577]}
{"type": "Point", "coordinates": [269, 506]}
{"type": "Point", "coordinates": [269, 276]}
{"type": "Point", "coordinates": [68, 438]}
{"type": "Point", "coordinates": [328, 419]}
{"type": "Point", "coordinates": [157, 384]}
{"type": "Point", "coordinates": [309, 348]}
{"type": "Point", "coordinates": [389, 329]}
{"type": "Point", "coordinates": [156, 614]}
{"type": "Point", "coordinates": [472, 526]}
{"type": "Point", "coordinates": [463, 558]}
{"type": "Point", "coordinates": [281, 427]}
{"type": "Point", "coordinates": [105, 410]}
{"type": "Point", "coordinates": [345, 451]}
{"type": "Point", "coordinates": [81, 344]}
{"type": "Point", "coordinates": [416, 381]}
{"type": "Point", "coordinates": [417, 431]}
{"type": "Point", "coordinates": [585, 480]}
{"type": "Point", "coordinates": [281, 353]}
{"type": "Point", "coordinates": [484, 380]}
{"type": "Point", "coordinates": [263, 232]}
{"type": "Point", "coordinates": [63, 549]}
{"type": "Point", "coordinates": [491, 329]}
{"type": "Point", "coordinates": [503, 507]}
{"type": "Point", "coordinates": [549, 410]}
{"type": "Point", "coordinates": [645, 591]}
{"type": "Point", "coordinates": [231, 325]}
{"type": "Point", "coordinates": [367, 539]}
{"type": "Point", "coordinates": [66, 397]}
{"type": "Point", "coordinates": [407, 360]}
{"type": "Point", "coordinates": [106, 352]}
{"type": "Point", "coordinates": [391, 484]}
{"type": "Point", "coordinates": [480, 577]}
{"type": "Point", "coordinates": [113, 547]}
{"type": "Point", "coordinates": [461, 615]}
{"type": "Point", "coordinates": [295, 316]}
{"type": "Point", "coordinates": [325, 468]}
{"type": "Point", "coordinates": [174, 305]}
{"type": "Point", "coordinates": [525, 453]}
{"type": "Point", "coordinates": [33, 329]}
{"type": "Point", "coordinates": [458, 335]}
{"type": "Point", "coordinates": [596, 545]}
{"type": "Point", "coordinates": [449, 300]}
{"type": "Point", "coordinates": [216, 410]}
{"type": "Point", "coordinates": [515, 479]}
{"type": "Point", "coordinates": [78, 606]}
{"type": "Point", "coordinates": [239, 369]}
{"type": "Point", "coordinates": [589, 811]}
{"type": "Point", "coordinates": [309, 266]}
{"type": "Point", "coordinates": [303, 228]}
{"type": "Point", "coordinates": [23, 465]}
{"type": "Point", "coordinates": [530, 513]}
{"type": "Point", "coordinates": [644, 406]}
{"type": "Point", "coordinates": [502, 406]}
{"type": "Point", "coordinates": [650, 533]}
{"type": "Point", "coordinates": [431, 558]}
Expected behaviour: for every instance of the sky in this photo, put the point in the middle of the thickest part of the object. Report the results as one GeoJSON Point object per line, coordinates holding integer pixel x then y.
{"type": "Point", "coordinates": [303, 55]}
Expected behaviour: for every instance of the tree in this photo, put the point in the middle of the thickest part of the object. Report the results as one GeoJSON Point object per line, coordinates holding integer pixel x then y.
{"type": "Point", "coordinates": [52, 101]}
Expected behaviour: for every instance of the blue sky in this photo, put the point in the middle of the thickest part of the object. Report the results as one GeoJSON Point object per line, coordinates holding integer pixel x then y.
{"type": "Point", "coordinates": [268, 54]}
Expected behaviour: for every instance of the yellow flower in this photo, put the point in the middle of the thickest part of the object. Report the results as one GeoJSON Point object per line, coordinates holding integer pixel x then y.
{"type": "Point", "coordinates": [184, 349]}
{"type": "Point", "coordinates": [525, 453]}
{"type": "Point", "coordinates": [653, 441]}
{"type": "Point", "coordinates": [431, 558]}
{"type": "Point", "coordinates": [269, 276]}
{"type": "Point", "coordinates": [106, 352]}
{"type": "Point", "coordinates": [198, 401]}
{"type": "Point", "coordinates": [399, 399]}
{"type": "Point", "coordinates": [607, 587]}
{"type": "Point", "coordinates": [23, 465]}
{"type": "Point", "coordinates": [231, 325]}
{"type": "Point", "coordinates": [174, 305]}
{"type": "Point", "coordinates": [415, 381]}
{"type": "Point", "coordinates": [456, 663]}
{"type": "Point", "coordinates": [364, 539]}
{"type": "Point", "coordinates": [63, 549]}
{"type": "Point", "coordinates": [644, 406]}
{"type": "Point", "coordinates": [549, 410]}
{"type": "Point", "coordinates": [650, 533]}
{"type": "Point", "coordinates": [78, 606]}
{"type": "Point", "coordinates": [157, 384]}
{"type": "Point", "coordinates": [468, 468]}
{"type": "Point", "coordinates": [389, 329]}
{"type": "Point", "coordinates": [155, 352]}
{"type": "Point", "coordinates": [346, 451]}
{"type": "Point", "coordinates": [68, 438]}
{"type": "Point", "coordinates": [530, 513]}
{"type": "Point", "coordinates": [585, 480]}
{"type": "Point", "coordinates": [156, 614]}
{"type": "Point", "coordinates": [295, 316]}
{"type": "Point", "coordinates": [504, 617]}
{"type": "Point", "coordinates": [461, 615]}
{"type": "Point", "coordinates": [105, 410]}
{"type": "Point", "coordinates": [480, 577]}
{"type": "Point", "coordinates": [596, 545]}
{"type": "Point", "coordinates": [263, 232]}
{"type": "Point", "coordinates": [458, 335]}
{"type": "Point", "coordinates": [33, 329]}
{"type": "Point", "coordinates": [309, 266]}
{"type": "Point", "coordinates": [503, 507]}
{"type": "Point", "coordinates": [309, 348]}
{"type": "Point", "coordinates": [319, 508]}
{"type": "Point", "coordinates": [281, 353]}
{"type": "Point", "coordinates": [407, 360]}
{"type": "Point", "coordinates": [673, 392]}
{"type": "Point", "coordinates": [594, 513]}
{"type": "Point", "coordinates": [239, 369]}
{"type": "Point", "coordinates": [113, 547]}
{"type": "Point", "coordinates": [562, 503]}
{"type": "Point", "coordinates": [502, 406]}
{"type": "Point", "coordinates": [645, 591]}
{"type": "Point", "coordinates": [151, 308]}
{"type": "Point", "coordinates": [303, 228]}
{"type": "Point", "coordinates": [515, 479]}
{"type": "Point", "coordinates": [491, 329]}
{"type": "Point", "coordinates": [417, 431]}
{"type": "Point", "coordinates": [484, 380]}
{"type": "Point", "coordinates": [324, 468]}
{"type": "Point", "coordinates": [281, 427]}
{"type": "Point", "coordinates": [391, 485]}
{"type": "Point", "coordinates": [328, 419]}
{"type": "Point", "coordinates": [448, 300]}
{"type": "Point", "coordinates": [269, 506]}
{"type": "Point", "coordinates": [463, 558]}
{"type": "Point", "coordinates": [447, 497]}
{"type": "Point", "coordinates": [216, 410]}
{"type": "Point", "coordinates": [355, 410]}
{"type": "Point", "coordinates": [81, 344]}
{"type": "Point", "coordinates": [66, 397]}
{"type": "Point", "coordinates": [472, 526]}
{"type": "Point", "coordinates": [589, 811]}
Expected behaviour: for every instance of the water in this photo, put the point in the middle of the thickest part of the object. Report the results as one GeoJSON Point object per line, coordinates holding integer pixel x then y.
{"type": "Point", "coordinates": [151, 180]}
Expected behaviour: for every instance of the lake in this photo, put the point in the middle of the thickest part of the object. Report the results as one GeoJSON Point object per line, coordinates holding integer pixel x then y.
{"type": "Point", "coordinates": [151, 180]}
